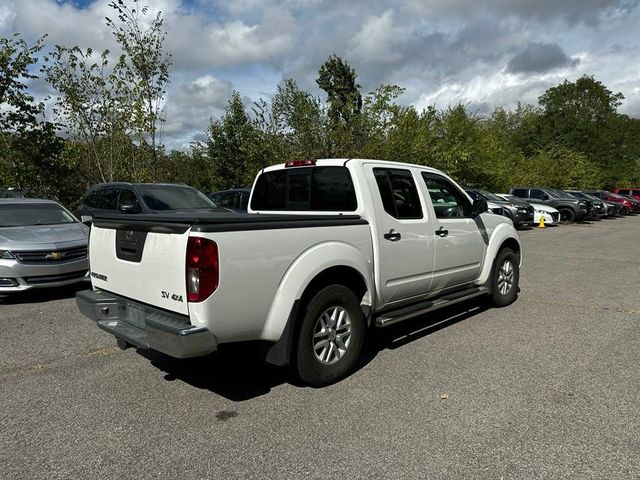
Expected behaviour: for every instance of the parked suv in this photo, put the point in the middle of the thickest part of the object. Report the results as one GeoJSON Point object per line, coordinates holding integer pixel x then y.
{"type": "Point", "coordinates": [143, 198]}
{"type": "Point", "coordinates": [628, 205]}
{"type": "Point", "coordinates": [571, 209]}
{"type": "Point", "coordinates": [519, 211]}
{"type": "Point", "coordinates": [601, 208]}
{"type": "Point", "coordinates": [632, 192]}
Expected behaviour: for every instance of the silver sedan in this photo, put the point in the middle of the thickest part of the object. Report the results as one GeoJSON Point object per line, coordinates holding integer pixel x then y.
{"type": "Point", "coordinates": [41, 245]}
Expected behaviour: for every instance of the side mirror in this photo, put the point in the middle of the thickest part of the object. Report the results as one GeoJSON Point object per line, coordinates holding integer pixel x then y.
{"type": "Point", "coordinates": [129, 208]}
{"type": "Point", "coordinates": [479, 206]}
{"type": "Point", "coordinates": [545, 196]}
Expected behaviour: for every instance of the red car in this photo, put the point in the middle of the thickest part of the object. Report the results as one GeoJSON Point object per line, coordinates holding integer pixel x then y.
{"type": "Point", "coordinates": [632, 192]}
{"type": "Point", "coordinates": [628, 205]}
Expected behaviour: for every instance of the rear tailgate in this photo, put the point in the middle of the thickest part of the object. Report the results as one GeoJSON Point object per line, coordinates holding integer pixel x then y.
{"type": "Point", "coordinates": [139, 264]}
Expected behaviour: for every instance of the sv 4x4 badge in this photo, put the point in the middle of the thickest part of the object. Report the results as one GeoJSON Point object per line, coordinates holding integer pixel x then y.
{"type": "Point", "coordinates": [173, 296]}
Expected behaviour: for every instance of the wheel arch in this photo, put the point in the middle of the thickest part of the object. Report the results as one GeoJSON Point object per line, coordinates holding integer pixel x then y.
{"type": "Point", "coordinates": [311, 272]}
{"type": "Point", "coordinates": [503, 237]}
{"type": "Point", "coordinates": [280, 352]}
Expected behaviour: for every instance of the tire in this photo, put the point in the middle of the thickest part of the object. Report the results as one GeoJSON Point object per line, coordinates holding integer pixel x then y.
{"type": "Point", "coordinates": [505, 278]}
{"type": "Point", "coordinates": [319, 356]}
{"type": "Point", "coordinates": [567, 215]}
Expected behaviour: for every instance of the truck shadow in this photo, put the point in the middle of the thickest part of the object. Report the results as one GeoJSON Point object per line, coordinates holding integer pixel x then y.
{"type": "Point", "coordinates": [239, 372]}
{"type": "Point", "coordinates": [42, 295]}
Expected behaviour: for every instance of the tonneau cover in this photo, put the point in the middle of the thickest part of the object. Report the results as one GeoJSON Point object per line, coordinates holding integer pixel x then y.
{"type": "Point", "coordinates": [219, 222]}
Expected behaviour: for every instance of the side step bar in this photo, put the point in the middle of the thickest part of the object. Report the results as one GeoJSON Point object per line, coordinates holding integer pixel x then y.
{"type": "Point", "coordinates": [404, 313]}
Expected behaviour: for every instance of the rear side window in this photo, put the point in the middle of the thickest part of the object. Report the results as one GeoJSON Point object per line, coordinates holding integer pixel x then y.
{"type": "Point", "coordinates": [328, 189]}
{"type": "Point", "coordinates": [91, 200]}
{"type": "Point", "coordinates": [635, 192]}
{"type": "Point", "coordinates": [623, 191]}
{"type": "Point", "coordinates": [520, 192]}
{"type": "Point", "coordinates": [105, 198]}
{"type": "Point", "coordinates": [539, 194]}
{"type": "Point", "coordinates": [398, 192]}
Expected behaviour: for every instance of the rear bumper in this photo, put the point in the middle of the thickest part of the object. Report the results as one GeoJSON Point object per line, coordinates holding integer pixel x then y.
{"type": "Point", "coordinates": [144, 326]}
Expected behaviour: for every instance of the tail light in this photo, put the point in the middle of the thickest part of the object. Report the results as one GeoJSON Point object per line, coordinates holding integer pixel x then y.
{"type": "Point", "coordinates": [88, 247]}
{"type": "Point", "coordinates": [202, 273]}
{"type": "Point", "coordinates": [300, 163]}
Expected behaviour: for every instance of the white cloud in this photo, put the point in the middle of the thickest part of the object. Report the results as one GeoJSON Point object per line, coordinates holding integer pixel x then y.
{"type": "Point", "coordinates": [442, 52]}
{"type": "Point", "coordinates": [374, 43]}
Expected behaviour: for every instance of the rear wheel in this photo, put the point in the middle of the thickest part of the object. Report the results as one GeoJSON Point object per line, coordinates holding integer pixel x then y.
{"type": "Point", "coordinates": [505, 278]}
{"type": "Point", "coordinates": [331, 336]}
{"type": "Point", "coordinates": [567, 215]}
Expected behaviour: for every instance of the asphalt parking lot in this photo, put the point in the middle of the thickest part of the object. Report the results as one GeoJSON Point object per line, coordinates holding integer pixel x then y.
{"type": "Point", "coordinates": [548, 387]}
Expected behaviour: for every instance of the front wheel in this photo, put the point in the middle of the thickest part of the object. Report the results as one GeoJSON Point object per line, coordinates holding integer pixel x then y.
{"type": "Point", "coordinates": [567, 215]}
{"type": "Point", "coordinates": [505, 278]}
{"type": "Point", "coordinates": [331, 336]}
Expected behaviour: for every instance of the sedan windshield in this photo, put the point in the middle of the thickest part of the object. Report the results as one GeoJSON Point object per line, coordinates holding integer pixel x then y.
{"type": "Point", "coordinates": [577, 194]}
{"type": "Point", "coordinates": [490, 196]}
{"type": "Point", "coordinates": [563, 194]}
{"type": "Point", "coordinates": [174, 197]}
{"type": "Point", "coordinates": [16, 215]}
{"type": "Point", "coordinates": [510, 198]}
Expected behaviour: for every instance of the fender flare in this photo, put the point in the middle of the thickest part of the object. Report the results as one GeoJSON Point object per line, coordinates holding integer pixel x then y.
{"type": "Point", "coordinates": [283, 315]}
{"type": "Point", "coordinates": [502, 233]}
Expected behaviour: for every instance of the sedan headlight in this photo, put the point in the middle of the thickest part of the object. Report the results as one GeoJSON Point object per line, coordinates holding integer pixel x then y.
{"type": "Point", "coordinates": [6, 255]}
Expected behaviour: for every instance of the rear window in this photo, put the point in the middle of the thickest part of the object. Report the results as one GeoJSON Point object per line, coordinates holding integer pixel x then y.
{"type": "Point", "coordinates": [319, 189]}
{"type": "Point", "coordinates": [170, 197]}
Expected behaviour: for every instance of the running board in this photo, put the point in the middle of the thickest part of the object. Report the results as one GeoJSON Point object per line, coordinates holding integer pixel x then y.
{"type": "Point", "coordinates": [404, 313]}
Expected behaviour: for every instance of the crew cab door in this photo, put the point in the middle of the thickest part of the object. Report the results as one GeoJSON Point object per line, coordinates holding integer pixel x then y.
{"type": "Point", "coordinates": [403, 234]}
{"type": "Point", "coordinates": [459, 245]}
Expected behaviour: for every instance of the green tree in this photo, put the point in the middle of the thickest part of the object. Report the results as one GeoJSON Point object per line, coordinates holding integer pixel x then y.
{"type": "Point", "coordinates": [110, 105]}
{"type": "Point", "coordinates": [146, 71]}
{"type": "Point", "coordinates": [19, 114]}
{"type": "Point", "coordinates": [338, 79]}
{"type": "Point", "coordinates": [298, 119]}
{"type": "Point", "coordinates": [580, 115]}
{"type": "Point", "coordinates": [93, 107]}
{"type": "Point", "coordinates": [232, 146]}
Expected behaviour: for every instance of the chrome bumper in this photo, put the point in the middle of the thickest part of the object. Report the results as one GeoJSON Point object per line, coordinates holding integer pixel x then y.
{"type": "Point", "coordinates": [144, 326]}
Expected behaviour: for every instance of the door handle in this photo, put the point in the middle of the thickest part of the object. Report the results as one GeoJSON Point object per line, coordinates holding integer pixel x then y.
{"type": "Point", "coordinates": [393, 235]}
{"type": "Point", "coordinates": [441, 232]}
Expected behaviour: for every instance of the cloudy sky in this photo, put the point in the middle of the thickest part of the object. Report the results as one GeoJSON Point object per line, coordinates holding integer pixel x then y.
{"type": "Point", "coordinates": [484, 53]}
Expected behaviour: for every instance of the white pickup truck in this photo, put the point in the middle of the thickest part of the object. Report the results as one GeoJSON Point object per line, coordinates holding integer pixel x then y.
{"type": "Point", "coordinates": [329, 250]}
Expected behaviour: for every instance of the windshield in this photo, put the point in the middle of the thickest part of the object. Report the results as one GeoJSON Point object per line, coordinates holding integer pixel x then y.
{"type": "Point", "coordinates": [577, 194]}
{"type": "Point", "coordinates": [562, 193]}
{"type": "Point", "coordinates": [615, 195]}
{"type": "Point", "coordinates": [510, 198]}
{"type": "Point", "coordinates": [490, 196]}
{"type": "Point", "coordinates": [16, 215]}
{"type": "Point", "coordinates": [174, 197]}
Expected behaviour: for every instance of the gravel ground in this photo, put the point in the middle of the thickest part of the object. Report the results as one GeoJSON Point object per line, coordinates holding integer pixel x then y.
{"type": "Point", "coordinates": [548, 387]}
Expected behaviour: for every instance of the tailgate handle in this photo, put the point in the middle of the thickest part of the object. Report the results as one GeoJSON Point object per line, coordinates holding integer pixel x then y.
{"type": "Point", "coordinates": [130, 245]}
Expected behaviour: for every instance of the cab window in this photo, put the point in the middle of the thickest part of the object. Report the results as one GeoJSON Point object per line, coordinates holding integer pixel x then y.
{"type": "Point", "coordinates": [399, 193]}
{"type": "Point", "coordinates": [448, 201]}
